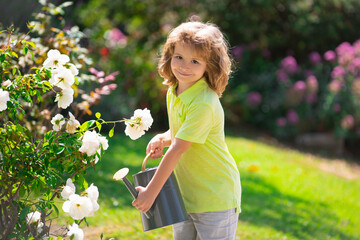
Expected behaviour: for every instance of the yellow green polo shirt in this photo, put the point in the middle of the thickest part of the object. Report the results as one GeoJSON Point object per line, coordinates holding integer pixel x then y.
{"type": "Point", "coordinates": [207, 174]}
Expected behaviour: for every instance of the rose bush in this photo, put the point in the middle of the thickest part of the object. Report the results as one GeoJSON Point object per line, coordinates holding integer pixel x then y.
{"type": "Point", "coordinates": [43, 154]}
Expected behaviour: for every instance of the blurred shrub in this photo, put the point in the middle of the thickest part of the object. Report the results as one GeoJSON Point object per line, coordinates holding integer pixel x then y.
{"type": "Point", "coordinates": [320, 95]}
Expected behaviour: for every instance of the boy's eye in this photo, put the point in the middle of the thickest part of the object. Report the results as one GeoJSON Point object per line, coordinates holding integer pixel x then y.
{"type": "Point", "coordinates": [194, 61]}
{"type": "Point", "coordinates": [178, 57]}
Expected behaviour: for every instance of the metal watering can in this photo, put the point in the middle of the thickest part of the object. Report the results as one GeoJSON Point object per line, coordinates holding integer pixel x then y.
{"type": "Point", "coordinates": [168, 207]}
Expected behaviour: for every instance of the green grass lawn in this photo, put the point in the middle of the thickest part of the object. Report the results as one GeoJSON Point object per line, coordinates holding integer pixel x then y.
{"type": "Point", "coordinates": [286, 194]}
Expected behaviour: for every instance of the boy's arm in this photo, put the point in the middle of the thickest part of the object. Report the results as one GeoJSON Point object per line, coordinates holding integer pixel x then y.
{"type": "Point", "coordinates": [148, 194]}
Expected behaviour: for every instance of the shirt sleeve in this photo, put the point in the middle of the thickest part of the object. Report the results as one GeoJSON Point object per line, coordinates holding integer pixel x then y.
{"type": "Point", "coordinates": [197, 124]}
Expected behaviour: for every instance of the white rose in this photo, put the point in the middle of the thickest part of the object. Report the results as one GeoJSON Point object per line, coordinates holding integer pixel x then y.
{"type": "Point", "coordinates": [68, 190]}
{"type": "Point", "coordinates": [146, 119]}
{"type": "Point", "coordinates": [65, 98]}
{"type": "Point", "coordinates": [4, 98]}
{"type": "Point", "coordinates": [58, 121]}
{"type": "Point", "coordinates": [90, 143]}
{"type": "Point", "coordinates": [138, 124]}
{"type": "Point", "coordinates": [78, 207]}
{"type": "Point", "coordinates": [6, 84]}
{"type": "Point", "coordinates": [33, 217]}
{"type": "Point", "coordinates": [62, 78]}
{"type": "Point", "coordinates": [73, 69]}
{"type": "Point", "coordinates": [103, 142]}
{"type": "Point", "coordinates": [133, 132]}
{"type": "Point", "coordinates": [93, 194]}
{"type": "Point", "coordinates": [75, 231]}
{"type": "Point", "coordinates": [55, 59]}
{"type": "Point", "coordinates": [72, 124]}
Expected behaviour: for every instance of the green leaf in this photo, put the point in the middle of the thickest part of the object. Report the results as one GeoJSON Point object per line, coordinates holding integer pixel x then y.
{"type": "Point", "coordinates": [60, 149]}
{"type": "Point", "coordinates": [25, 50]}
{"type": "Point", "coordinates": [56, 209]}
{"type": "Point", "coordinates": [98, 125]}
{"type": "Point", "coordinates": [38, 77]}
{"type": "Point", "coordinates": [14, 71]}
{"type": "Point", "coordinates": [2, 57]}
{"type": "Point", "coordinates": [14, 54]}
{"type": "Point", "coordinates": [48, 74]}
{"type": "Point", "coordinates": [31, 44]}
{"type": "Point", "coordinates": [24, 212]}
{"type": "Point", "coordinates": [86, 125]}
{"type": "Point", "coordinates": [98, 115]}
{"type": "Point", "coordinates": [111, 132]}
{"type": "Point", "coordinates": [46, 83]}
{"type": "Point", "coordinates": [32, 54]}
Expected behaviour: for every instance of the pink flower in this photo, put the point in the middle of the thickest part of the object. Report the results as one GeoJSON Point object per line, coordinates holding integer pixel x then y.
{"type": "Point", "coordinates": [354, 66]}
{"type": "Point", "coordinates": [93, 71]}
{"type": "Point", "coordinates": [116, 37]}
{"type": "Point", "coordinates": [315, 58]}
{"type": "Point", "coordinates": [299, 86]}
{"type": "Point", "coordinates": [292, 117]}
{"type": "Point", "coordinates": [312, 84]}
{"type": "Point", "coordinates": [344, 48]}
{"type": "Point", "coordinates": [356, 46]}
{"type": "Point", "coordinates": [346, 53]}
{"type": "Point", "coordinates": [111, 76]}
{"type": "Point", "coordinates": [335, 86]}
{"type": "Point", "coordinates": [289, 64]}
{"type": "Point", "coordinates": [338, 72]}
{"type": "Point", "coordinates": [347, 122]}
{"type": "Point", "coordinates": [106, 90]}
{"type": "Point", "coordinates": [330, 56]}
{"type": "Point", "coordinates": [281, 122]}
{"type": "Point", "coordinates": [253, 99]}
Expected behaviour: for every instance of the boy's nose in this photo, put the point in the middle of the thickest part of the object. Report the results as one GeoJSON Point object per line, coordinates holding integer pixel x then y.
{"type": "Point", "coordinates": [184, 65]}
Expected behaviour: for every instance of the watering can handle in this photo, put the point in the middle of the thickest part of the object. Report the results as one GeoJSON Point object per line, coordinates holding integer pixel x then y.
{"type": "Point", "coordinates": [145, 161]}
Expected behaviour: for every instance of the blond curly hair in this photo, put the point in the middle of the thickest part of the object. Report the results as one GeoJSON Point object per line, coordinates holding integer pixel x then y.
{"type": "Point", "coordinates": [209, 42]}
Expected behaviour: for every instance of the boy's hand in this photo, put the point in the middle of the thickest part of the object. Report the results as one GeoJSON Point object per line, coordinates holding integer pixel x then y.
{"type": "Point", "coordinates": [144, 200]}
{"type": "Point", "coordinates": [156, 145]}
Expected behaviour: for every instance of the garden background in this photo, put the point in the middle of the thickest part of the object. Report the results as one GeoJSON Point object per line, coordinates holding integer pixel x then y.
{"type": "Point", "coordinates": [291, 106]}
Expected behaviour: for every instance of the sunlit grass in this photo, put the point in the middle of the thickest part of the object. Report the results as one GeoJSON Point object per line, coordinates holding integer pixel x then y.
{"type": "Point", "coordinates": [285, 194]}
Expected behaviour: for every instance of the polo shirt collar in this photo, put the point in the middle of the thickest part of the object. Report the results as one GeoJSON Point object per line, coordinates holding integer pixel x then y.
{"type": "Point", "coordinates": [189, 94]}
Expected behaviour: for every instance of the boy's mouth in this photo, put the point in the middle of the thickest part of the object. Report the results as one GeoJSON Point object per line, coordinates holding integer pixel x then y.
{"type": "Point", "coordinates": [184, 74]}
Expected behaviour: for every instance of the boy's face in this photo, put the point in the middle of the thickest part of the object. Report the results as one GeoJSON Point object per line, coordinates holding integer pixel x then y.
{"type": "Point", "coordinates": [187, 66]}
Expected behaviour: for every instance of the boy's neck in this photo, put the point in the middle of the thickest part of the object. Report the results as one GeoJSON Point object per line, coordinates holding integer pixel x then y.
{"type": "Point", "coordinates": [183, 87]}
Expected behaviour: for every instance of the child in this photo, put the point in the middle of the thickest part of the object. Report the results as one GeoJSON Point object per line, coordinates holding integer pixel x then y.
{"type": "Point", "coordinates": [196, 66]}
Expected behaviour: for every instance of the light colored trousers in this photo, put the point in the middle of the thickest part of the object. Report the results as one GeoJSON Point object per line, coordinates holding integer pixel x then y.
{"type": "Point", "coordinates": [209, 225]}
